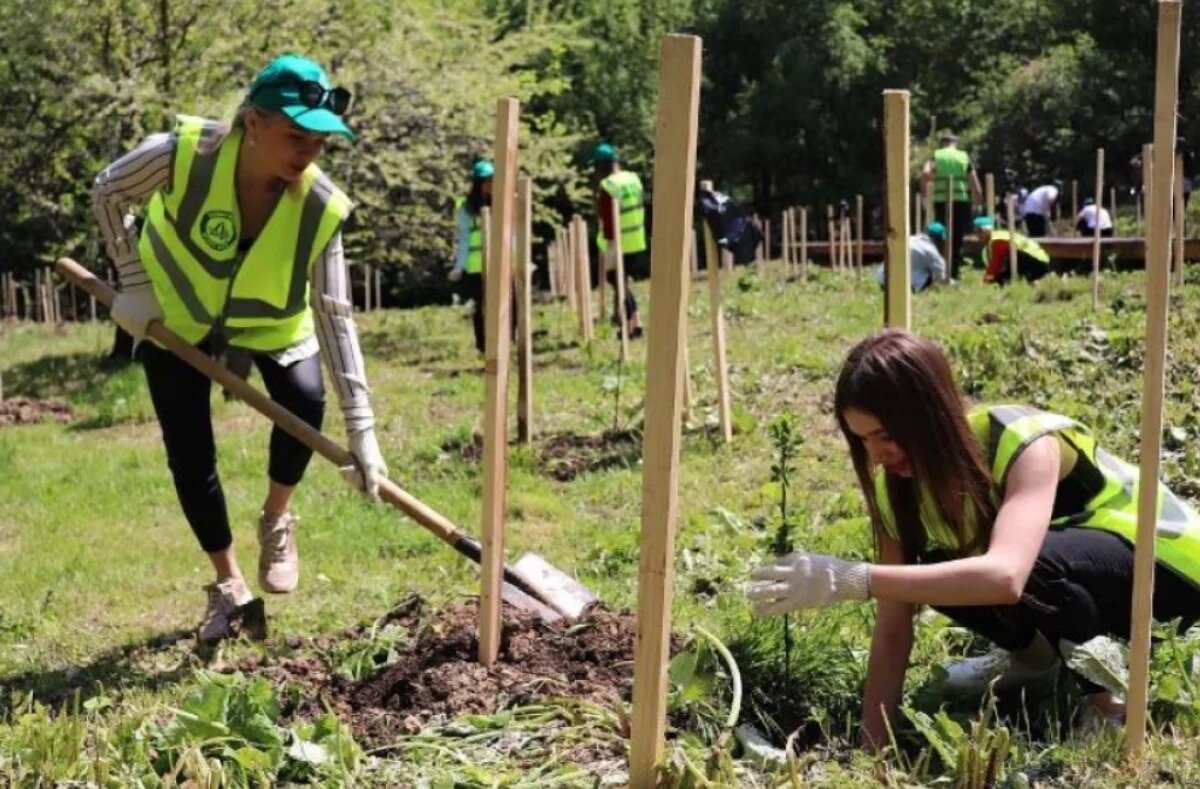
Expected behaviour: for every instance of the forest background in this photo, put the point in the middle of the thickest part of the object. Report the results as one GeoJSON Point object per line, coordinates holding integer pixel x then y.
{"type": "Point", "coordinates": [790, 112]}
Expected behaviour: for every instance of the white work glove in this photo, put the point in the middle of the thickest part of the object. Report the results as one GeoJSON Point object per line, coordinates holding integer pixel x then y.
{"type": "Point", "coordinates": [807, 580]}
{"type": "Point", "coordinates": [455, 274]}
{"type": "Point", "coordinates": [368, 468]}
{"type": "Point", "coordinates": [133, 309]}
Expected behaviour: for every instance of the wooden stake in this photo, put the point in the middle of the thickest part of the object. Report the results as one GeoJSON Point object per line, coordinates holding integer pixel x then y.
{"type": "Point", "coordinates": [619, 261]}
{"type": "Point", "coordinates": [1074, 199]}
{"type": "Point", "coordinates": [1147, 186]}
{"type": "Point", "coordinates": [898, 265]}
{"type": "Point", "coordinates": [524, 277]}
{"type": "Point", "coordinates": [949, 227]}
{"type": "Point", "coordinates": [366, 270]}
{"type": "Point", "coordinates": [1012, 241]}
{"type": "Point", "coordinates": [1178, 225]}
{"type": "Point", "coordinates": [989, 194]}
{"type": "Point", "coordinates": [552, 269]}
{"type": "Point", "coordinates": [917, 225]}
{"type": "Point", "coordinates": [1099, 206]}
{"type": "Point", "coordinates": [759, 254]}
{"type": "Point", "coordinates": [1112, 194]}
{"type": "Point", "coordinates": [497, 281]}
{"type": "Point", "coordinates": [583, 279]}
{"type": "Point", "coordinates": [767, 238]}
{"type": "Point", "coordinates": [378, 287]}
{"type": "Point", "coordinates": [833, 259]}
{"type": "Point", "coordinates": [1166, 86]}
{"type": "Point", "coordinates": [566, 251]}
{"type": "Point", "coordinates": [675, 162]}
{"type": "Point", "coordinates": [716, 311]}
{"type": "Point", "coordinates": [845, 244]}
{"type": "Point", "coordinates": [858, 226]}
{"type": "Point", "coordinates": [803, 243]}
{"type": "Point", "coordinates": [785, 227]}
{"type": "Point", "coordinates": [695, 256]}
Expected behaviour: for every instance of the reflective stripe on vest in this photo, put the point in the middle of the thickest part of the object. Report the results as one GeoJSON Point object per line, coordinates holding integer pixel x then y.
{"type": "Point", "coordinates": [1006, 431]}
{"type": "Point", "coordinates": [949, 162]}
{"type": "Point", "coordinates": [626, 189]}
{"type": "Point", "coordinates": [474, 263]}
{"type": "Point", "coordinates": [189, 246]}
{"type": "Point", "coordinates": [1025, 245]}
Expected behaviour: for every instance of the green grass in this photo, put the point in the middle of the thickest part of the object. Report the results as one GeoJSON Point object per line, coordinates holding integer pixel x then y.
{"type": "Point", "coordinates": [100, 575]}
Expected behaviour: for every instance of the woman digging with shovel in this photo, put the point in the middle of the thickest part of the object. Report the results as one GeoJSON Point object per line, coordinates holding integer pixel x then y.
{"type": "Point", "coordinates": [242, 233]}
{"type": "Point", "coordinates": [1009, 520]}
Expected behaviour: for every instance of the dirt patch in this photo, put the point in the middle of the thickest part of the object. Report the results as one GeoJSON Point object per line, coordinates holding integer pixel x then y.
{"type": "Point", "coordinates": [469, 451]}
{"type": "Point", "coordinates": [27, 411]}
{"type": "Point", "coordinates": [436, 677]}
{"type": "Point", "coordinates": [564, 456]}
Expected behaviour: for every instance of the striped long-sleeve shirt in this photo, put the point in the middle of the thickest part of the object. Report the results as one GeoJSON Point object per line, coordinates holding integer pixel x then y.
{"type": "Point", "coordinates": [135, 177]}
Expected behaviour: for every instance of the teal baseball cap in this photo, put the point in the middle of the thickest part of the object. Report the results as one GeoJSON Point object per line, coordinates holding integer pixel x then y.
{"type": "Point", "coordinates": [301, 90]}
{"type": "Point", "coordinates": [935, 230]}
{"type": "Point", "coordinates": [984, 223]}
{"type": "Point", "coordinates": [482, 170]}
{"type": "Point", "coordinates": [604, 153]}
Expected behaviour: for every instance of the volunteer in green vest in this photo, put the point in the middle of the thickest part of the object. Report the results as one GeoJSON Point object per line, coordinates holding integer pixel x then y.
{"type": "Point", "coordinates": [1009, 520]}
{"type": "Point", "coordinates": [625, 188]}
{"type": "Point", "coordinates": [949, 162]}
{"type": "Point", "coordinates": [468, 247]}
{"type": "Point", "coordinates": [241, 247]}
{"type": "Point", "coordinates": [1033, 262]}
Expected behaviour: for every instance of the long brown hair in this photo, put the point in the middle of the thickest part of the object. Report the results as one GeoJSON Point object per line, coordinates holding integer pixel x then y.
{"type": "Point", "coordinates": [906, 383]}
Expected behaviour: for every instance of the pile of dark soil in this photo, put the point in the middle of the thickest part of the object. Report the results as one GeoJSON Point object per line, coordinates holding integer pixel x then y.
{"type": "Point", "coordinates": [565, 456]}
{"type": "Point", "coordinates": [436, 676]}
{"type": "Point", "coordinates": [27, 411]}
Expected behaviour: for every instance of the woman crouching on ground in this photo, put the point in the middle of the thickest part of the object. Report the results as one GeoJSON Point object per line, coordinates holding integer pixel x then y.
{"type": "Point", "coordinates": [1009, 520]}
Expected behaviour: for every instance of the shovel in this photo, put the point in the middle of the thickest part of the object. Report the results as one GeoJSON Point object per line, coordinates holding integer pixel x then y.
{"type": "Point", "coordinates": [532, 584]}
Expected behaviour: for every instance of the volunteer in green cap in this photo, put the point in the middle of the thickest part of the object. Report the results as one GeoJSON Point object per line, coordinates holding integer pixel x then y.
{"type": "Point", "coordinates": [469, 250]}
{"type": "Point", "coordinates": [1033, 262]}
{"type": "Point", "coordinates": [241, 247]}
{"type": "Point", "coordinates": [624, 187]}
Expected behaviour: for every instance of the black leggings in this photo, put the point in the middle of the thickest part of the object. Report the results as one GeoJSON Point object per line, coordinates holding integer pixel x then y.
{"type": "Point", "coordinates": [1080, 587]}
{"type": "Point", "coordinates": [473, 289]}
{"type": "Point", "coordinates": [962, 223]}
{"type": "Point", "coordinates": [181, 400]}
{"type": "Point", "coordinates": [631, 305]}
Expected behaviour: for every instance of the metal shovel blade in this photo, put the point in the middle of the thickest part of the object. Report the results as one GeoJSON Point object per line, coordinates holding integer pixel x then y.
{"type": "Point", "coordinates": [562, 592]}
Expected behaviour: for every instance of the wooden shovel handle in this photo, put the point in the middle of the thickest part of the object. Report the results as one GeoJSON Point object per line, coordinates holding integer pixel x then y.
{"type": "Point", "coordinates": [389, 491]}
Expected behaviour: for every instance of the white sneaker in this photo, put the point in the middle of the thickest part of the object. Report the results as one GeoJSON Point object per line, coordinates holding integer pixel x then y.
{"type": "Point", "coordinates": [970, 677]}
{"type": "Point", "coordinates": [278, 558]}
{"type": "Point", "coordinates": [224, 599]}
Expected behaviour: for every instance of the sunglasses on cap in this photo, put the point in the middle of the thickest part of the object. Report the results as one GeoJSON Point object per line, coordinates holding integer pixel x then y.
{"type": "Point", "coordinates": [313, 95]}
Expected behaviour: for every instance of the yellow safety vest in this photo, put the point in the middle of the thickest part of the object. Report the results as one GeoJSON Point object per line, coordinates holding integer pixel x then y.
{"type": "Point", "coordinates": [258, 300]}
{"type": "Point", "coordinates": [948, 163]}
{"type": "Point", "coordinates": [1024, 244]}
{"type": "Point", "coordinates": [475, 244]}
{"type": "Point", "coordinates": [1005, 431]}
{"type": "Point", "coordinates": [626, 189]}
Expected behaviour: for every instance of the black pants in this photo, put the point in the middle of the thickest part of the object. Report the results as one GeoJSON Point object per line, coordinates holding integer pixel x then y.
{"type": "Point", "coordinates": [1029, 269]}
{"type": "Point", "coordinates": [631, 305]}
{"type": "Point", "coordinates": [962, 223]}
{"type": "Point", "coordinates": [181, 401]}
{"type": "Point", "coordinates": [472, 289]}
{"type": "Point", "coordinates": [1080, 587]}
{"type": "Point", "coordinates": [1087, 232]}
{"type": "Point", "coordinates": [1035, 225]}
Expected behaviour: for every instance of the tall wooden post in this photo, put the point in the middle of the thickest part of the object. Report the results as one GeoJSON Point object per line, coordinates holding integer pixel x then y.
{"type": "Point", "coordinates": [695, 255]}
{"type": "Point", "coordinates": [619, 263]}
{"type": "Point", "coordinates": [833, 259]}
{"type": "Point", "coordinates": [767, 237]}
{"type": "Point", "coordinates": [989, 194]}
{"type": "Point", "coordinates": [804, 243]}
{"type": "Point", "coordinates": [1166, 86]}
{"type": "Point", "coordinates": [898, 270]}
{"type": "Point", "coordinates": [497, 281]}
{"type": "Point", "coordinates": [674, 165]}
{"type": "Point", "coordinates": [1099, 206]}
{"type": "Point", "coordinates": [949, 227]}
{"type": "Point", "coordinates": [566, 252]}
{"type": "Point", "coordinates": [786, 225]}
{"type": "Point", "coordinates": [1147, 186]}
{"type": "Point", "coordinates": [858, 226]}
{"type": "Point", "coordinates": [1178, 225]}
{"type": "Point", "coordinates": [717, 315]}
{"type": "Point", "coordinates": [1112, 196]}
{"type": "Point", "coordinates": [759, 254]}
{"type": "Point", "coordinates": [1012, 247]}
{"type": "Point", "coordinates": [1074, 199]}
{"type": "Point", "coordinates": [524, 277]}
{"type": "Point", "coordinates": [918, 225]}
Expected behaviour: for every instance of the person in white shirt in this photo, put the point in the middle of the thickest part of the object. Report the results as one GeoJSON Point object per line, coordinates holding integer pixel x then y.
{"type": "Point", "coordinates": [1039, 207]}
{"type": "Point", "coordinates": [928, 265]}
{"type": "Point", "coordinates": [1085, 223]}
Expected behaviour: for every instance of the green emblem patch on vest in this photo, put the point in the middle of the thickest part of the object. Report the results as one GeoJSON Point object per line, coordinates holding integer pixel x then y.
{"type": "Point", "coordinates": [218, 230]}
